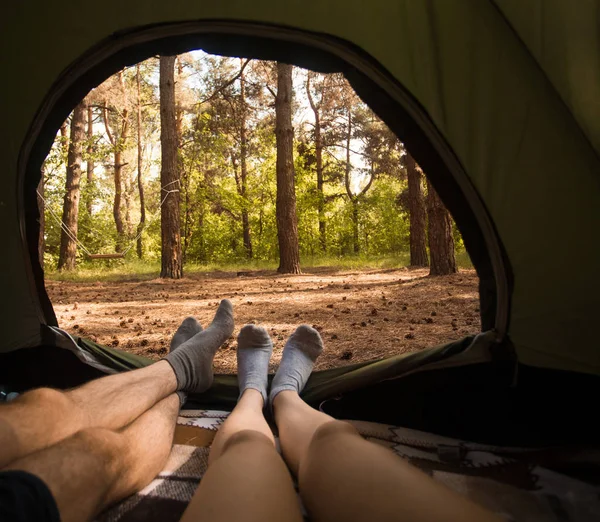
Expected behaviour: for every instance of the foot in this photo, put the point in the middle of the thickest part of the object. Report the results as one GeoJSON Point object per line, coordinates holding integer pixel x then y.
{"type": "Point", "coordinates": [187, 329]}
{"type": "Point", "coordinates": [192, 361]}
{"type": "Point", "coordinates": [299, 356]}
{"type": "Point", "coordinates": [253, 355]}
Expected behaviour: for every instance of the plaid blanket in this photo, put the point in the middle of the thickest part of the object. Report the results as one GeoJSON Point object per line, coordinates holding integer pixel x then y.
{"type": "Point", "coordinates": [512, 482]}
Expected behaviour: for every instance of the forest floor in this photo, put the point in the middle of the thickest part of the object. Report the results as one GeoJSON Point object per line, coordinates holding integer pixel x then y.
{"type": "Point", "coordinates": [361, 314]}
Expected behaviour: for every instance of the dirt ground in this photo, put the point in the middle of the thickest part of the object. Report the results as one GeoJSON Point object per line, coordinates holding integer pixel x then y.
{"type": "Point", "coordinates": [361, 314]}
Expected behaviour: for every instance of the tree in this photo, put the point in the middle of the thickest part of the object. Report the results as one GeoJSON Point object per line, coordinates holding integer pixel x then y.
{"type": "Point", "coordinates": [171, 261]}
{"type": "Point", "coordinates": [140, 246]}
{"type": "Point", "coordinates": [417, 214]}
{"type": "Point", "coordinates": [355, 198]}
{"type": "Point", "coordinates": [287, 220]}
{"type": "Point", "coordinates": [42, 219]}
{"type": "Point", "coordinates": [68, 238]}
{"type": "Point", "coordinates": [316, 108]}
{"type": "Point", "coordinates": [117, 138]}
{"type": "Point", "coordinates": [90, 155]}
{"type": "Point", "coordinates": [441, 241]}
{"type": "Point", "coordinates": [242, 183]}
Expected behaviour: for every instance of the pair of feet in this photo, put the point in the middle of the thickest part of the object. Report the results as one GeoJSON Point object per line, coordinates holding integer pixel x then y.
{"type": "Point", "coordinates": [193, 350]}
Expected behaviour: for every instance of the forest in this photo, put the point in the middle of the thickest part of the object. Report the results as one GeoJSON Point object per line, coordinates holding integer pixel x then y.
{"type": "Point", "coordinates": [200, 159]}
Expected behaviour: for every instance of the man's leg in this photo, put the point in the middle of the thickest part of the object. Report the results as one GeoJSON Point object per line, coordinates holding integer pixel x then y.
{"type": "Point", "coordinates": [97, 467]}
{"type": "Point", "coordinates": [341, 475]}
{"type": "Point", "coordinates": [43, 417]}
{"type": "Point", "coordinates": [246, 478]}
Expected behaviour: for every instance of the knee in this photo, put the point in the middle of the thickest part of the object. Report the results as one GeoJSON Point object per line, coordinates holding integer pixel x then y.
{"type": "Point", "coordinates": [257, 440]}
{"type": "Point", "coordinates": [329, 433]}
{"type": "Point", "coordinates": [47, 397]}
{"type": "Point", "coordinates": [323, 449]}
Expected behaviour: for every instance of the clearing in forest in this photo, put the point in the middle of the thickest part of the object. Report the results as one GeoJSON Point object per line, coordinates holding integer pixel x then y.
{"type": "Point", "coordinates": [361, 314]}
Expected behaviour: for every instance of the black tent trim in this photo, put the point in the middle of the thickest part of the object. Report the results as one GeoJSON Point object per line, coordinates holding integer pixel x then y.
{"type": "Point", "coordinates": [390, 100]}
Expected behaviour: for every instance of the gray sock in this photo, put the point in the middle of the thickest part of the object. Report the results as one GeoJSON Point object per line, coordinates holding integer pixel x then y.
{"type": "Point", "coordinates": [299, 356]}
{"type": "Point", "coordinates": [253, 355]}
{"type": "Point", "coordinates": [187, 329]}
{"type": "Point", "coordinates": [193, 360]}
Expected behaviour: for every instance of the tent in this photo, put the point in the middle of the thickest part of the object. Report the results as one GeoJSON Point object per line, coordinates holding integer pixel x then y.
{"type": "Point", "coordinates": [496, 99]}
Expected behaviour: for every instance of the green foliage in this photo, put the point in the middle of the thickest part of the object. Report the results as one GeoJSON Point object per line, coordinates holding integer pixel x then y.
{"type": "Point", "coordinates": [212, 109]}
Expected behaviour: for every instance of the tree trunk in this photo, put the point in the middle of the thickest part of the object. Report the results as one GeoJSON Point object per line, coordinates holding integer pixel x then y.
{"type": "Point", "coordinates": [64, 133]}
{"type": "Point", "coordinates": [441, 241]}
{"type": "Point", "coordinates": [355, 240]}
{"type": "Point", "coordinates": [90, 157]}
{"type": "Point", "coordinates": [68, 245]}
{"type": "Point", "coordinates": [353, 198]}
{"type": "Point", "coordinates": [244, 169]}
{"type": "Point", "coordinates": [171, 262]}
{"type": "Point", "coordinates": [118, 157]}
{"type": "Point", "coordinates": [42, 219]}
{"type": "Point", "coordinates": [319, 167]}
{"type": "Point", "coordinates": [117, 142]}
{"type": "Point", "coordinates": [417, 214]}
{"type": "Point", "coordinates": [287, 220]}
{"type": "Point", "coordinates": [140, 244]}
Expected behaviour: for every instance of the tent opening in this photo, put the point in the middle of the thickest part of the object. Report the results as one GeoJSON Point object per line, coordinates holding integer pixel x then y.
{"type": "Point", "coordinates": [364, 210]}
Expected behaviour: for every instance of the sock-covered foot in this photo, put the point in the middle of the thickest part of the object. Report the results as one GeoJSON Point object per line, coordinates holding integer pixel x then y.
{"type": "Point", "coordinates": [253, 355]}
{"type": "Point", "coordinates": [299, 356]}
{"type": "Point", "coordinates": [192, 361]}
{"type": "Point", "coordinates": [187, 329]}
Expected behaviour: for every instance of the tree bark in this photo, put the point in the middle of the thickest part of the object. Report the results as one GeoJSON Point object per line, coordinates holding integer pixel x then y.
{"type": "Point", "coordinates": [417, 214]}
{"type": "Point", "coordinates": [355, 238]}
{"type": "Point", "coordinates": [441, 241]}
{"type": "Point", "coordinates": [142, 223]}
{"type": "Point", "coordinates": [287, 220]}
{"type": "Point", "coordinates": [319, 167]}
{"type": "Point", "coordinates": [171, 261]}
{"type": "Point", "coordinates": [68, 246]}
{"type": "Point", "coordinates": [117, 142]}
{"type": "Point", "coordinates": [90, 157]}
{"type": "Point", "coordinates": [118, 157]}
{"type": "Point", "coordinates": [42, 218]}
{"type": "Point", "coordinates": [244, 169]}
{"type": "Point", "coordinates": [64, 133]}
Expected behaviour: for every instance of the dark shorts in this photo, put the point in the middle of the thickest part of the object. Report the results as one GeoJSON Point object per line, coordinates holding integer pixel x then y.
{"type": "Point", "coordinates": [25, 498]}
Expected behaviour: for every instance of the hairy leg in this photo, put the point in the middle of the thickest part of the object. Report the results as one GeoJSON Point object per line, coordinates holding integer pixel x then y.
{"type": "Point", "coordinates": [43, 417]}
{"type": "Point", "coordinates": [96, 467]}
{"type": "Point", "coordinates": [344, 477]}
{"type": "Point", "coordinates": [246, 478]}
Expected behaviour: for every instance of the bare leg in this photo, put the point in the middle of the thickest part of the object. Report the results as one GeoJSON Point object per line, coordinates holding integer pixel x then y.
{"type": "Point", "coordinates": [344, 477]}
{"type": "Point", "coordinates": [43, 417]}
{"type": "Point", "coordinates": [246, 478]}
{"type": "Point", "coordinates": [97, 467]}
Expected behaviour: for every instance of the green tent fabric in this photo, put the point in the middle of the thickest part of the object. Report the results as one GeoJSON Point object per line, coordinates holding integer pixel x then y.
{"type": "Point", "coordinates": [497, 100]}
{"type": "Point", "coordinates": [321, 385]}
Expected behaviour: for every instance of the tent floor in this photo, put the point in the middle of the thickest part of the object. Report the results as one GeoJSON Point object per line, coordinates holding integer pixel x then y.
{"type": "Point", "coordinates": [515, 485]}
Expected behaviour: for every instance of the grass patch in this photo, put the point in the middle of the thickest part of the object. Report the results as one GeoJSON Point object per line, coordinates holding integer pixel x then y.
{"type": "Point", "coordinates": [136, 270]}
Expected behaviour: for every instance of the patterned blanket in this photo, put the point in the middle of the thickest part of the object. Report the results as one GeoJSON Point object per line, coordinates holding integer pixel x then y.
{"type": "Point", "coordinates": [512, 482]}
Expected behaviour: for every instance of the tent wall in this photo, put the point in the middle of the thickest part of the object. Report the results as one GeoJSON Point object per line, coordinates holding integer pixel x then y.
{"type": "Point", "coordinates": [504, 118]}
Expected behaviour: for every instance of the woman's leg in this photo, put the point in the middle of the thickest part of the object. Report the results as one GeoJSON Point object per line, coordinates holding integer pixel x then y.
{"type": "Point", "coordinates": [246, 479]}
{"type": "Point", "coordinates": [341, 475]}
